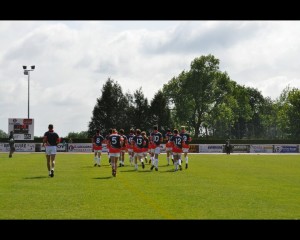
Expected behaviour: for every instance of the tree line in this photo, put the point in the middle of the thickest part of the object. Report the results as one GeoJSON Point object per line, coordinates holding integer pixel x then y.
{"type": "Point", "coordinates": [206, 101]}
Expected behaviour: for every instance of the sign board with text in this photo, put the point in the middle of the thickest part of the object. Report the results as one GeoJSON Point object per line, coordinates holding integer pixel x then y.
{"type": "Point", "coordinates": [23, 128]}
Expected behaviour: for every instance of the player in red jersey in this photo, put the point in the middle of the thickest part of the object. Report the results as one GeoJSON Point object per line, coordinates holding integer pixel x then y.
{"type": "Point", "coordinates": [177, 141]}
{"type": "Point", "coordinates": [97, 146]}
{"type": "Point", "coordinates": [168, 136]}
{"type": "Point", "coordinates": [151, 150]}
{"type": "Point", "coordinates": [123, 148]}
{"type": "Point", "coordinates": [107, 144]}
{"type": "Point", "coordinates": [129, 146]}
{"type": "Point", "coordinates": [156, 138]}
{"type": "Point", "coordinates": [138, 145]}
{"type": "Point", "coordinates": [115, 142]}
{"type": "Point", "coordinates": [146, 146]}
{"type": "Point", "coordinates": [185, 146]}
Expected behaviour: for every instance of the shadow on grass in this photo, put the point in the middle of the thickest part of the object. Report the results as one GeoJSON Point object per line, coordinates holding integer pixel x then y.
{"type": "Point", "coordinates": [131, 170]}
{"type": "Point", "coordinates": [165, 165]}
{"type": "Point", "coordinates": [36, 177]}
{"type": "Point", "coordinates": [103, 177]}
{"type": "Point", "coordinates": [102, 165]}
{"type": "Point", "coordinates": [169, 171]}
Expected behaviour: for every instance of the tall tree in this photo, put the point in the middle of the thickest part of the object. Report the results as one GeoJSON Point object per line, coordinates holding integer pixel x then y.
{"type": "Point", "coordinates": [109, 109]}
{"type": "Point", "coordinates": [196, 92]}
{"type": "Point", "coordinates": [140, 111]}
{"type": "Point", "coordinates": [288, 113]}
{"type": "Point", "coordinates": [294, 113]}
{"type": "Point", "coordinates": [256, 101]}
{"type": "Point", "coordinates": [160, 112]}
{"type": "Point", "coordinates": [268, 116]}
{"type": "Point", "coordinates": [242, 112]}
{"type": "Point", "coordinates": [3, 134]}
{"type": "Point", "coordinates": [282, 108]}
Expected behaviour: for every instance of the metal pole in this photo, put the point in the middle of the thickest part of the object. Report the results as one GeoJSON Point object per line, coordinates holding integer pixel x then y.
{"type": "Point", "coordinates": [28, 90]}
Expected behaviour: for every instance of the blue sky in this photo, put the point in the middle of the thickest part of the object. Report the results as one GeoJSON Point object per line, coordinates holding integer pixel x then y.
{"type": "Point", "coordinates": [74, 59]}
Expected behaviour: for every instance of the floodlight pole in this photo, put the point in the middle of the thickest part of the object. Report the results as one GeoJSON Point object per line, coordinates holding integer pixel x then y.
{"type": "Point", "coordinates": [27, 72]}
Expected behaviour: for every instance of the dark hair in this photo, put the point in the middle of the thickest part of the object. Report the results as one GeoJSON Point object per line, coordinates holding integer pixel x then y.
{"type": "Point", "coordinates": [50, 126]}
{"type": "Point", "coordinates": [121, 131]}
{"type": "Point", "coordinates": [155, 127]}
{"type": "Point", "coordinates": [175, 131]}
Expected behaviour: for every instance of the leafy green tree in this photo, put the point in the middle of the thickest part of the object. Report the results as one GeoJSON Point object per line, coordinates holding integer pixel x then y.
{"type": "Point", "coordinates": [288, 113]}
{"type": "Point", "coordinates": [242, 112]}
{"type": "Point", "coordinates": [81, 135]}
{"type": "Point", "coordinates": [197, 92]}
{"type": "Point", "coordinates": [139, 112]}
{"type": "Point", "coordinates": [255, 128]}
{"type": "Point", "coordinates": [282, 108]}
{"type": "Point", "coordinates": [3, 134]}
{"type": "Point", "coordinates": [160, 112]}
{"type": "Point", "coordinates": [268, 116]}
{"type": "Point", "coordinates": [293, 113]}
{"type": "Point", "coordinates": [220, 118]}
{"type": "Point", "coordinates": [110, 109]}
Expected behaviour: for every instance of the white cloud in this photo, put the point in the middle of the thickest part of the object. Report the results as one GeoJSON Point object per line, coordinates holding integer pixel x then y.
{"type": "Point", "coordinates": [73, 60]}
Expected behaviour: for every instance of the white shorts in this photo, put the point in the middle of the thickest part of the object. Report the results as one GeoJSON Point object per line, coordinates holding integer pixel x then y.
{"type": "Point", "coordinates": [168, 149]}
{"type": "Point", "coordinates": [157, 150]}
{"type": "Point", "coordinates": [176, 154]}
{"type": "Point", "coordinates": [97, 151]}
{"type": "Point", "coordinates": [140, 154]}
{"type": "Point", "coordinates": [114, 154]}
{"type": "Point", "coordinates": [185, 150]}
{"type": "Point", "coordinates": [50, 150]}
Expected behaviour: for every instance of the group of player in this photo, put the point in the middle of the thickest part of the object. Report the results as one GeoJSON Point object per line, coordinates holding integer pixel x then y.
{"type": "Point", "coordinates": [138, 145]}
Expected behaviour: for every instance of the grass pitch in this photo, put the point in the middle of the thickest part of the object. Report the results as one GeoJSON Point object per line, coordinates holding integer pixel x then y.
{"type": "Point", "coordinates": [213, 187]}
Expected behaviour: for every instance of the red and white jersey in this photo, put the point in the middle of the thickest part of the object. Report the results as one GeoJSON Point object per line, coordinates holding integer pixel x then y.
{"type": "Point", "coordinates": [156, 138]}
{"type": "Point", "coordinates": [168, 136]}
{"type": "Point", "coordinates": [125, 142]}
{"type": "Point", "coordinates": [115, 143]}
{"type": "Point", "coordinates": [129, 140]}
{"type": "Point", "coordinates": [97, 142]}
{"type": "Point", "coordinates": [177, 142]}
{"type": "Point", "coordinates": [138, 142]}
{"type": "Point", "coordinates": [186, 139]}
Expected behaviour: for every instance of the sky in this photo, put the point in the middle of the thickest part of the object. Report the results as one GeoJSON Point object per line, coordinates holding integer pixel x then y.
{"type": "Point", "coordinates": [74, 59]}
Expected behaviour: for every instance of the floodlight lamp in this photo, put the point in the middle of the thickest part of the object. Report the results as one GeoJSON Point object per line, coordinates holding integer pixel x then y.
{"type": "Point", "coordinates": [24, 67]}
{"type": "Point", "coordinates": [32, 67]}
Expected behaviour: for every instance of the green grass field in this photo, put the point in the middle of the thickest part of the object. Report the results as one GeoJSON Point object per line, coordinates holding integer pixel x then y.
{"type": "Point", "coordinates": [214, 187]}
